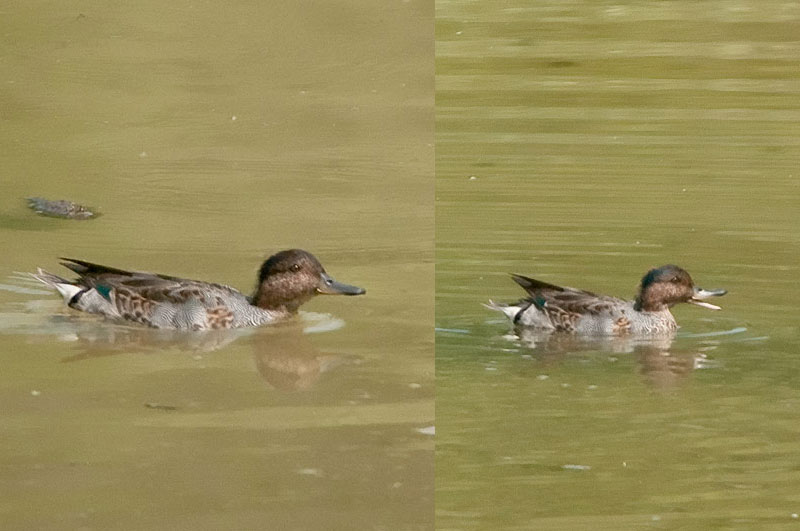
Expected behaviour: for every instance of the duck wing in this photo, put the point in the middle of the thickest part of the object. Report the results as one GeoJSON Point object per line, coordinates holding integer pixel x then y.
{"type": "Point", "coordinates": [563, 305]}
{"type": "Point", "coordinates": [90, 271]}
{"type": "Point", "coordinates": [150, 285]}
{"type": "Point", "coordinates": [533, 286]}
{"type": "Point", "coordinates": [142, 297]}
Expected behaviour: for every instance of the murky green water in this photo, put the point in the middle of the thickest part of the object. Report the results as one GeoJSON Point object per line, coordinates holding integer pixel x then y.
{"type": "Point", "coordinates": [583, 143]}
{"type": "Point", "coordinates": [210, 136]}
{"type": "Point", "coordinates": [577, 142]}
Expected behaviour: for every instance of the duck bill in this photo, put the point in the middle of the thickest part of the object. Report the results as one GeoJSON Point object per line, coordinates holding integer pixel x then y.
{"type": "Point", "coordinates": [699, 296]}
{"type": "Point", "coordinates": [328, 286]}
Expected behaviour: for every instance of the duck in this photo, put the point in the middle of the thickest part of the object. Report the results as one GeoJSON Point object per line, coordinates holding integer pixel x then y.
{"type": "Point", "coordinates": [555, 308]}
{"type": "Point", "coordinates": [286, 280]}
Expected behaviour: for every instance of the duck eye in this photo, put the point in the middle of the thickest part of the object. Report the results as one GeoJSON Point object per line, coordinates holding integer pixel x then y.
{"type": "Point", "coordinates": [295, 268]}
{"type": "Point", "coordinates": [674, 280]}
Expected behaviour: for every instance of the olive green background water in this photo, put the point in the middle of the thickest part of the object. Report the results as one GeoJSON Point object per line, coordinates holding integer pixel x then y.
{"type": "Point", "coordinates": [209, 136]}
{"type": "Point", "coordinates": [578, 142]}
{"type": "Point", "coordinates": [582, 143]}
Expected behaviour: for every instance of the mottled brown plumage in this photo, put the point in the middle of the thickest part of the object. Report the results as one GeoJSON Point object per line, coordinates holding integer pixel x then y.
{"type": "Point", "coordinates": [286, 280]}
{"type": "Point", "coordinates": [551, 307]}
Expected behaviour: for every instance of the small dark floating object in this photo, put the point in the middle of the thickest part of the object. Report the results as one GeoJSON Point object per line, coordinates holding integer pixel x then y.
{"type": "Point", "coordinates": [60, 209]}
{"type": "Point", "coordinates": [561, 64]}
{"type": "Point", "coordinates": [156, 405]}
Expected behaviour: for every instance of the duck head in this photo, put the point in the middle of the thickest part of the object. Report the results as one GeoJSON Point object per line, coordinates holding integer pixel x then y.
{"type": "Point", "coordinates": [289, 278]}
{"type": "Point", "coordinates": [665, 286]}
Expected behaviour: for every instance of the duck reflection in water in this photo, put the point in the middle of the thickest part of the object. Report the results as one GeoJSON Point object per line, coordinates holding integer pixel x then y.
{"type": "Point", "coordinates": [660, 364]}
{"type": "Point", "coordinates": [288, 361]}
{"type": "Point", "coordinates": [284, 355]}
{"type": "Point", "coordinates": [556, 320]}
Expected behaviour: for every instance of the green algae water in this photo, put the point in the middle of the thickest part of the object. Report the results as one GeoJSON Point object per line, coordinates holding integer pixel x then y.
{"type": "Point", "coordinates": [582, 143]}
{"type": "Point", "coordinates": [209, 137]}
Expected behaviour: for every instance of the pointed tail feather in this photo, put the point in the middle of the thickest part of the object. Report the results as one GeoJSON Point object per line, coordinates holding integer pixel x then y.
{"type": "Point", "coordinates": [495, 306]}
{"type": "Point", "coordinates": [47, 278]}
{"type": "Point", "coordinates": [66, 288]}
{"type": "Point", "coordinates": [507, 309]}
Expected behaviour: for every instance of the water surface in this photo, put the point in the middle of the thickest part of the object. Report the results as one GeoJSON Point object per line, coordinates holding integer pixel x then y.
{"type": "Point", "coordinates": [209, 137]}
{"type": "Point", "coordinates": [582, 144]}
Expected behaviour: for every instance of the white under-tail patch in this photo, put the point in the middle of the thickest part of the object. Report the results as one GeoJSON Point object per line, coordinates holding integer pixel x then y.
{"type": "Point", "coordinates": [67, 291]}
{"type": "Point", "coordinates": [509, 310]}
{"type": "Point", "coordinates": [63, 286]}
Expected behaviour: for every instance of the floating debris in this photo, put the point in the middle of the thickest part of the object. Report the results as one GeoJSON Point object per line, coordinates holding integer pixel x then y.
{"type": "Point", "coordinates": [156, 405]}
{"type": "Point", "coordinates": [59, 209]}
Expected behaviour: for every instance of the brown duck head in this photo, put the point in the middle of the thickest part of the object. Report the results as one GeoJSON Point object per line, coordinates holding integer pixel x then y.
{"type": "Point", "coordinates": [665, 286]}
{"type": "Point", "coordinates": [289, 278]}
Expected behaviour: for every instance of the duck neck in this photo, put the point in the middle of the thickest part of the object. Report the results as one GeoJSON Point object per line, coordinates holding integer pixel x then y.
{"type": "Point", "coordinates": [271, 303]}
{"type": "Point", "coordinates": [643, 303]}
